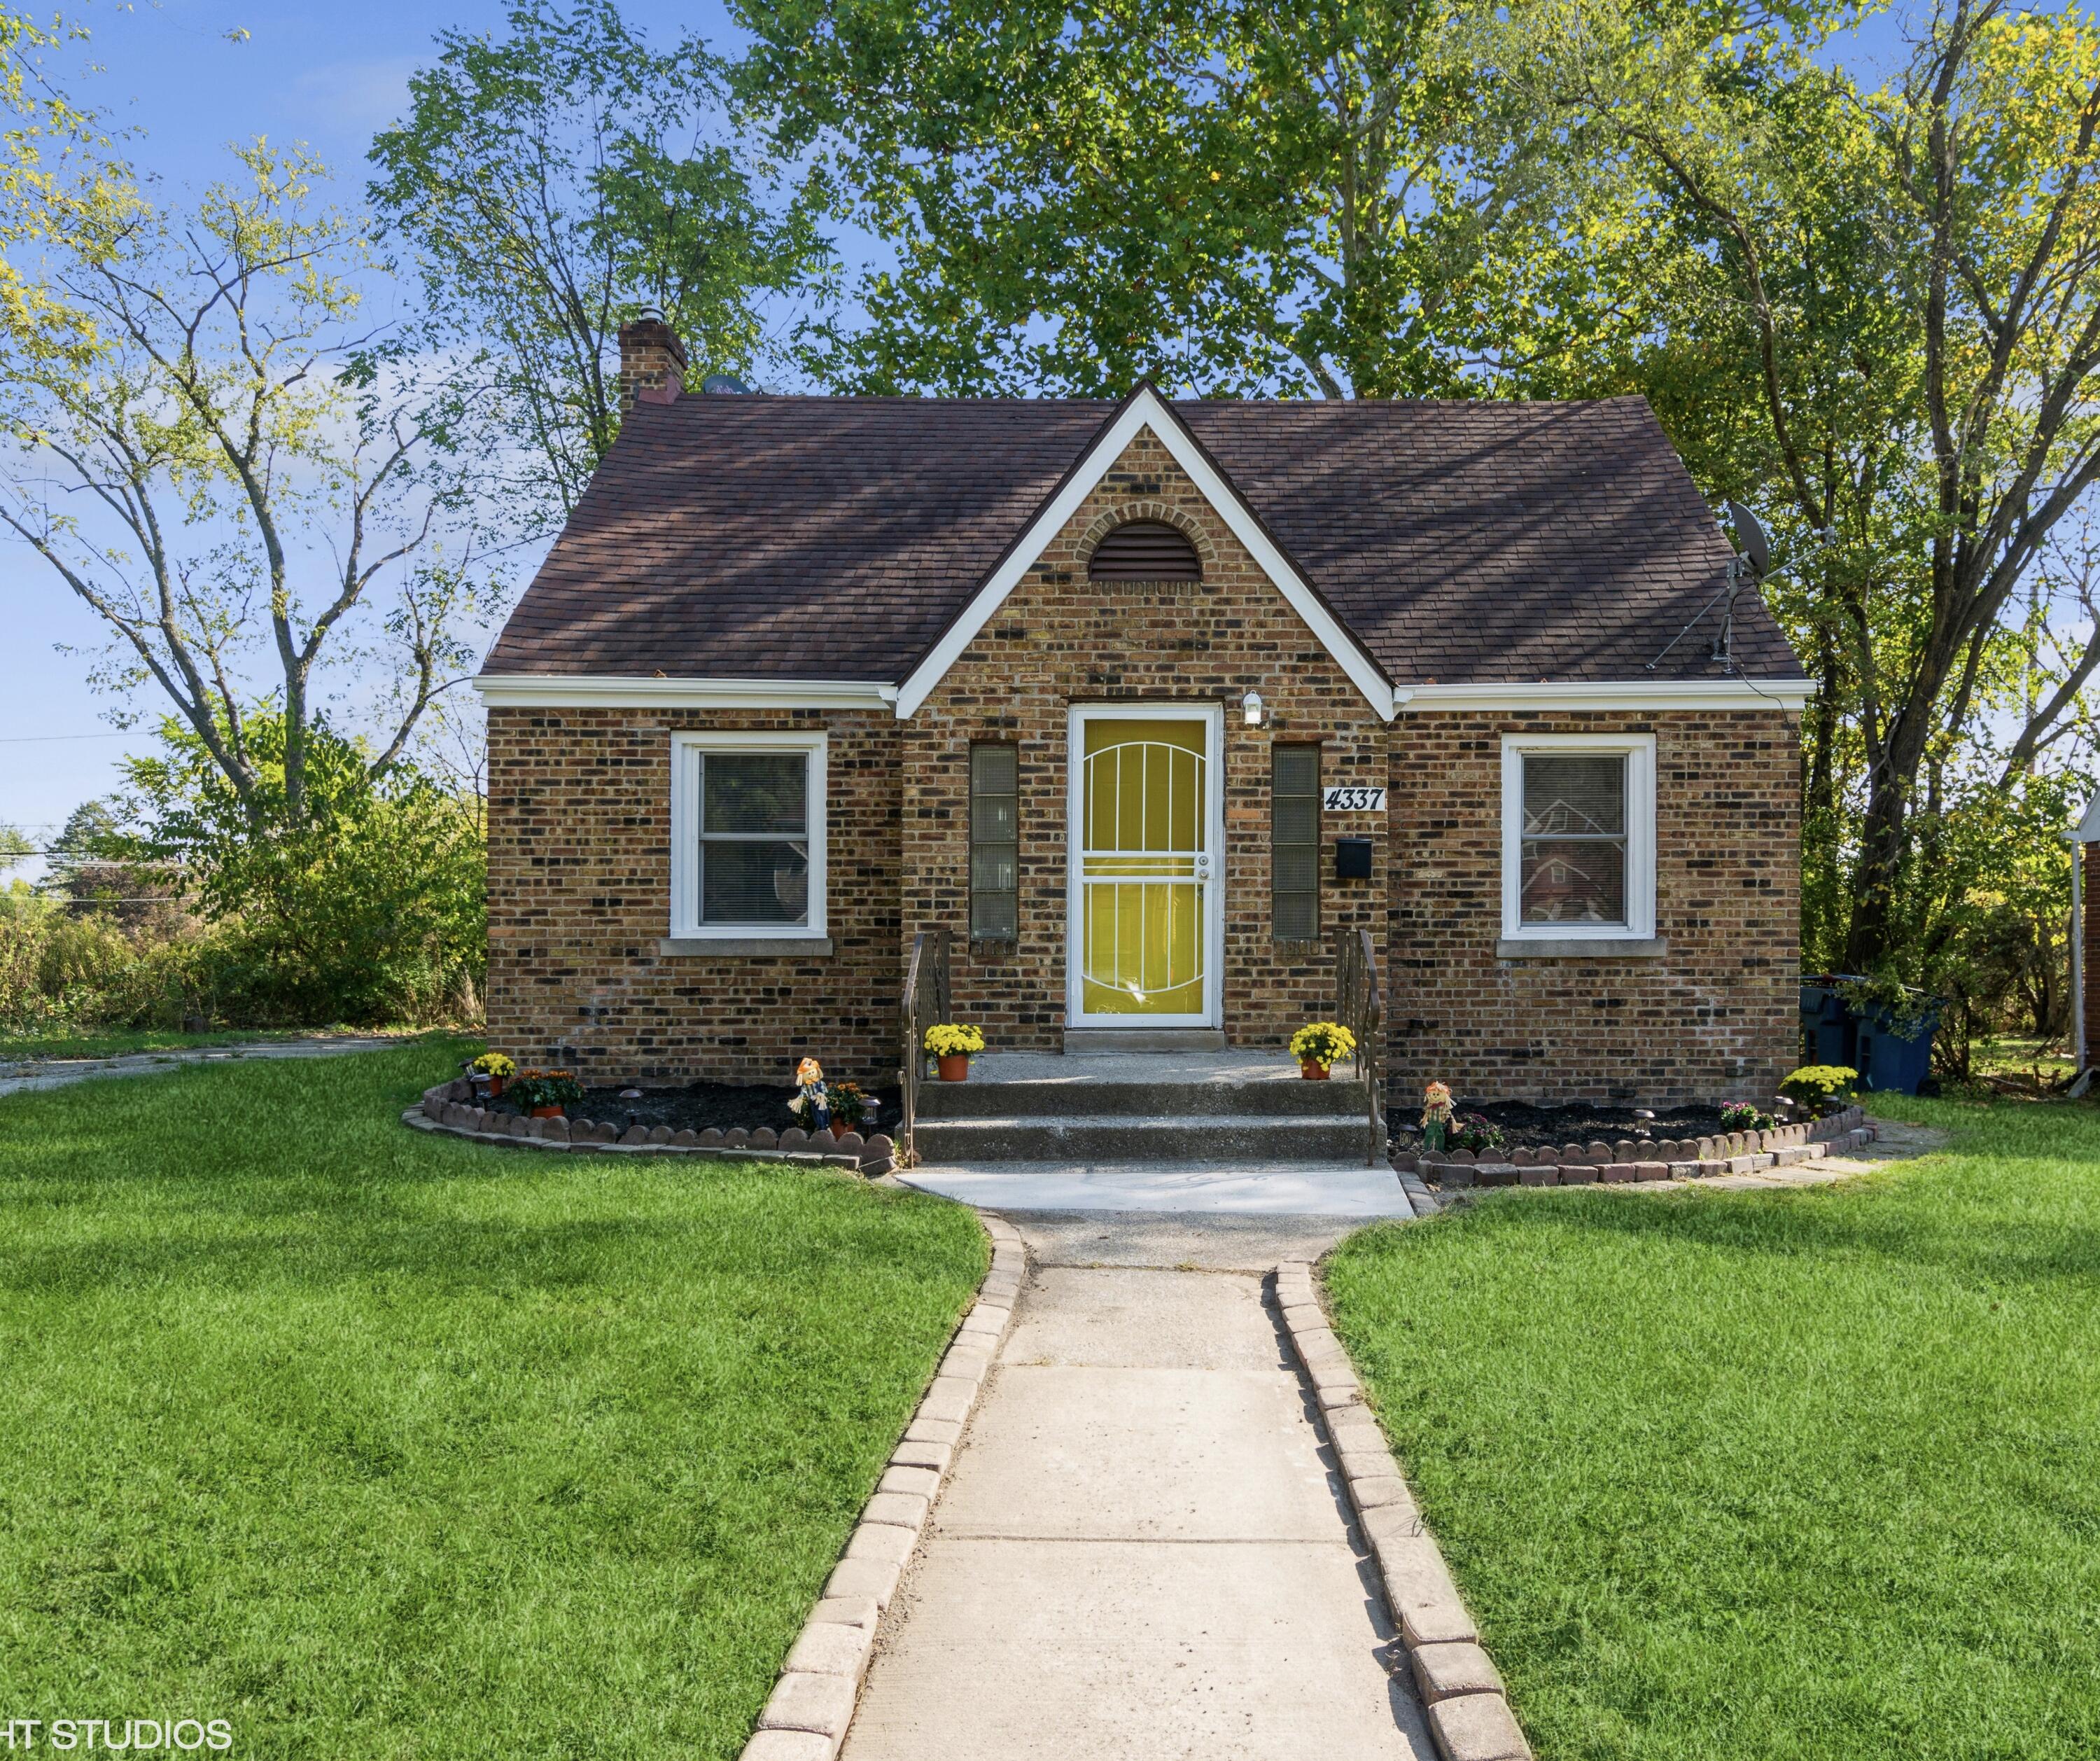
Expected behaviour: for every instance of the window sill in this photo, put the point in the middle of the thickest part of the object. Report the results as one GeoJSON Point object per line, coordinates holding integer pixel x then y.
{"type": "Point", "coordinates": [1581, 947]}
{"type": "Point", "coordinates": [688, 947]}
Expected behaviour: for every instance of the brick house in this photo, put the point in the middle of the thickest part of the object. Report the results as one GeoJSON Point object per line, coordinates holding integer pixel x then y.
{"type": "Point", "coordinates": [1144, 701]}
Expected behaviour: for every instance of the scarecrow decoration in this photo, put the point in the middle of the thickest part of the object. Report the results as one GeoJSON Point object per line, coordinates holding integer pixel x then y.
{"type": "Point", "coordinates": [811, 1102]}
{"type": "Point", "coordinates": [1436, 1116]}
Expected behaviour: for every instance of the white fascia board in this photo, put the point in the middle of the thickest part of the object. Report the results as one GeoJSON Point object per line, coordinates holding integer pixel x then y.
{"type": "Point", "coordinates": [1612, 694]}
{"type": "Point", "coordinates": [1147, 411]}
{"type": "Point", "coordinates": [2089, 824]}
{"type": "Point", "coordinates": [552, 690]}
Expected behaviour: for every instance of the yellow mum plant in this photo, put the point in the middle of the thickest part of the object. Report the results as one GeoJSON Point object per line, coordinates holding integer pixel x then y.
{"type": "Point", "coordinates": [1323, 1043]}
{"type": "Point", "coordinates": [496, 1064]}
{"type": "Point", "coordinates": [952, 1039]}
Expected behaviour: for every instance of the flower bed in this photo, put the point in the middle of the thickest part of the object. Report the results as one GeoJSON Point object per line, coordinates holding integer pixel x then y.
{"type": "Point", "coordinates": [451, 1107]}
{"type": "Point", "coordinates": [1646, 1158]}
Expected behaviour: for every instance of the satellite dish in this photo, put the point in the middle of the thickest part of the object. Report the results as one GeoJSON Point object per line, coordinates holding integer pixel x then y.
{"type": "Point", "coordinates": [724, 385]}
{"type": "Point", "coordinates": [1750, 539]}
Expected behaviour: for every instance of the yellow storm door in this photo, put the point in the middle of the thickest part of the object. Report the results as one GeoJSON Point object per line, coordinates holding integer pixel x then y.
{"type": "Point", "coordinates": [1145, 924]}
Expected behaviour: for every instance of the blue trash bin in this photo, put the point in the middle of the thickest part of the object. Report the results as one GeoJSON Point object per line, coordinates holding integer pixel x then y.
{"type": "Point", "coordinates": [1889, 1062]}
{"type": "Point", "coordinates": [1829, 1029]}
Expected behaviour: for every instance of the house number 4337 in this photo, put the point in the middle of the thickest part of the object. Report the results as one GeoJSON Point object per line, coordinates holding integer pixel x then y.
{"type": "Point", "coordinates": [1354, 800]}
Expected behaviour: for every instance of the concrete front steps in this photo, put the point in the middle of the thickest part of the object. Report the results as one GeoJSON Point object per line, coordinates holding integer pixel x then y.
{"type": "Point", "coordinates": [1139, 1109]}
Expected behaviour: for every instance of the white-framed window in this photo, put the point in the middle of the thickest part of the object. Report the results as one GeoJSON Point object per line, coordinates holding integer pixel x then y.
{"type": "Point", "coordinates": [748, 835]}
{"type": "Point", "coordinates": [1578, 837]}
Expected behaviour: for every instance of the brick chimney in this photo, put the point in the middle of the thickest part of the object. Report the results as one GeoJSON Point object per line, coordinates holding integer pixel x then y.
{"type": "Point", "coordinates": [652, 363]}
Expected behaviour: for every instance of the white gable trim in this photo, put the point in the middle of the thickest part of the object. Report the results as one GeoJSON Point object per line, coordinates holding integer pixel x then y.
{"type": "Point", "coordinates": [1631, 694]}
{"type": "Point", "coordinates": [1147, 411]}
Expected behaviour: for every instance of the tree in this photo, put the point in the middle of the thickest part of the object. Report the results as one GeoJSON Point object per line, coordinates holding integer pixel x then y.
{"type": "Point", "coordinates": [16, 847]}
{"type": "Point", "coordinates": [549, 187]}
{"type": "Point", "coordinates": [226, 470]}
{"type": "Point", "coordinates": [1888, 335]}
{"type": "Point", "coordinates": [1314, 198]}
{"type": "Point", "coordinates": [93, 833]}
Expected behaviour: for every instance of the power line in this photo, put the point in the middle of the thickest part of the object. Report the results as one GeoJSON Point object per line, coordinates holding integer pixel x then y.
{"type": "Point", "coordinates": [27, 739]}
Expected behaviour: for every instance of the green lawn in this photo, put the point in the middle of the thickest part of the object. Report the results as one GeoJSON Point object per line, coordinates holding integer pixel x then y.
{"type": "Point", "coordinates": [1802, 1475]}
{"type": "Point", "coordinates": [379, 1444]}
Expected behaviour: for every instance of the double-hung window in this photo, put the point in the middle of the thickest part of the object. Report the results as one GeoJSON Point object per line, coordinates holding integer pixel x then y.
{"type": "Point", "coordinates": [1578, 837]}
{"type": "Point", "coordinates": [748, 835]}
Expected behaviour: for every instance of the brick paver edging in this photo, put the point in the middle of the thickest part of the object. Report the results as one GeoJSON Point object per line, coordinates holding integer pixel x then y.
{"type": "Point", "coordinates": [450, 1107]}
{"type": "Point", "coordinates": [813, 1702]}
{"type": "Point", "coordinates": [1457, 1681]}
{"type": "Point", "coordinates": [1648, 1159]}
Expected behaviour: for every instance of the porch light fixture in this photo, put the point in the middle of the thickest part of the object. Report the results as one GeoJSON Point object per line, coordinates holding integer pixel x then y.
{"type": "Point", "coordinates": [1251, 708]}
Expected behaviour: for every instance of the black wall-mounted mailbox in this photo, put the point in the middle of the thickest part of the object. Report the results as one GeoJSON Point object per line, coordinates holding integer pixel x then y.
{"type": "Point", "coordinates": [1352, 859]}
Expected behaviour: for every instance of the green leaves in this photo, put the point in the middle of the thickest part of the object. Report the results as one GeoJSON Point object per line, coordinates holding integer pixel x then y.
{"type": "Point", "coordinates": [1226, 200]}
{"type": "Point", "coordinates": [546, 186]}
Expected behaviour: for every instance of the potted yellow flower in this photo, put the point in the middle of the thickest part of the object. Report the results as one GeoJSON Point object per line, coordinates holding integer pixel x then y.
{"type": "Point", "coordinates": [497, 1068]}
{"type": "Point", "coordinates": [1317, 1044]}
{"type": "Point", "coordinates": [952, 1046]}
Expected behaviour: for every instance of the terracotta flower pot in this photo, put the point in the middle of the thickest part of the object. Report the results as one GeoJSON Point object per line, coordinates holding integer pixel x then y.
{"type": "Point", "coordinates": [840, 1127]}
{"type": "Point", "coordinates": [1313, 1071]}
{"type": "Point", "coordinates": [954, 1066]}
{"type": "Point", "coordinates": [546, 1112]}
{"type": "Point", "coordinates": [496, 1088]}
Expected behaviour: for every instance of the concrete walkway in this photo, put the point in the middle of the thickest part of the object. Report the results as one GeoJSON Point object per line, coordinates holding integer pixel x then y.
{"type": "Point", "coordinates": [55, 1073]}
{"type": "Point", "coordinates": [1251, 1188]}
{"type": "Point", "coordinates": [1142, 1552]}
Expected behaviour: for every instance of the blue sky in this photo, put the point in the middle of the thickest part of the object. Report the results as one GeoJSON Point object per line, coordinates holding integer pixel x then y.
{"type": "Point", "coordinates": [329, 74]}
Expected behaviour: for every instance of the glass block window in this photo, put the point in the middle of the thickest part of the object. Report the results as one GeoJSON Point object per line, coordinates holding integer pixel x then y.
{"type": "Point", "coordinates": [1295, 842]}
{"type": "Point", "coordinates": [1573, 866]}
{"type": "Point", "coordinates": [995, 842]}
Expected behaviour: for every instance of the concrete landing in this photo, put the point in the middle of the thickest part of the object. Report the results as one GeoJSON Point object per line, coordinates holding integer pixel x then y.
{"type": "Point", "coordinates": [1347, 1189]}
{"type": "Point", "coordinates": [1141, 1552]}
{"type": "Point", "coordinates": [1230, 1067]}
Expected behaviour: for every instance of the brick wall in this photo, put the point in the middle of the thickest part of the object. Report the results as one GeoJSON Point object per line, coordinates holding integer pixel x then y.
{"type": "Point", "coordinates": [579, 898]}
{"type": "Point", "coordinates": [1059, 639]}
{"type": "Point", "coordinates": [1718, 1018]}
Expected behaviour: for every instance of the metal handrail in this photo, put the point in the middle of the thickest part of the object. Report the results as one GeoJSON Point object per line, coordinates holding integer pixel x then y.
{"type": "Point", "coordinates": [1361, 1009]}
{"type": "Point", "coordinates": [923, 1004]}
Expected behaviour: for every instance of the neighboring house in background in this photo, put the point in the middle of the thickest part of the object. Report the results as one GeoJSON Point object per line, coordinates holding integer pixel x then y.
{"type": "Point", "coordinates": [1144, 701]}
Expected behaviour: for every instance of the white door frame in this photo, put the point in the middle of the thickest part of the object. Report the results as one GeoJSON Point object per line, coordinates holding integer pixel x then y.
{"type": "Point", "coordinates": [1212, 716]}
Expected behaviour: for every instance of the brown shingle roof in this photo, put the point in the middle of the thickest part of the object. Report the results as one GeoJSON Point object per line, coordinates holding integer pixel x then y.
{"type": "Point", "coordinates": [757, 537]}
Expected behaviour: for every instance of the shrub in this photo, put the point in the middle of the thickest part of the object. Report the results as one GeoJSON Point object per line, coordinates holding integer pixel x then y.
{"type": "Point", "coordinates": [1816, 1085]}
{"type": "Point", "coordinates": [363, 905]}
{"type": "Point", "coordinates": [1740, 1115]}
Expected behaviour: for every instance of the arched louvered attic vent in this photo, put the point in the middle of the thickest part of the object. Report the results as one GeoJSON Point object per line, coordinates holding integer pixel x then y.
{"type": "Point", "coordinates": [1145, 550]}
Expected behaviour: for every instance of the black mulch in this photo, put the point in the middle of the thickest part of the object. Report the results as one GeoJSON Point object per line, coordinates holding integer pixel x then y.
{"type": "Point", "coordinates": [721, 1105]}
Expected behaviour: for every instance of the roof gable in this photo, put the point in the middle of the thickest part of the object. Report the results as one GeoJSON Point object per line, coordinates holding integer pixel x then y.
{"type": "Point", "coordinates": [760, 541]}
{"type": "Point", "coordinates": [1145, 411]}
